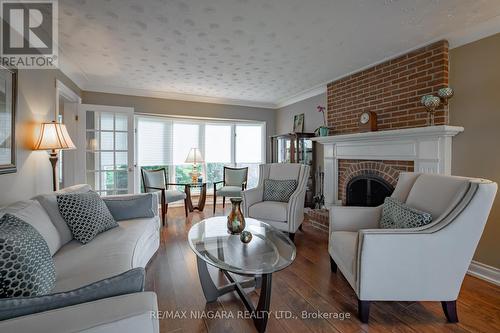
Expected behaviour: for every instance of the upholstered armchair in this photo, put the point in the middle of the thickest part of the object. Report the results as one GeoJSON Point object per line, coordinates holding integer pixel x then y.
{"type": "Point", "coordinates": [285, 216]}
{"type": "Point", "coordinates": [156, 181]}
{"type": "Point", "coordinates": [234, 181]}
{"type": "Point", "coordinates": [426, 263]}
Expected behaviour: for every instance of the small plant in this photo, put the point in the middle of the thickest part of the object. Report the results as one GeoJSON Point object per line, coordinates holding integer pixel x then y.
{"type": "Point", "coordinates": [322, 110]}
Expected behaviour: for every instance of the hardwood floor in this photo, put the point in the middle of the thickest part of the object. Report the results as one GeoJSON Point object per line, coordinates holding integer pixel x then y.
{"type": "Point", "coordinates": [306, 285]}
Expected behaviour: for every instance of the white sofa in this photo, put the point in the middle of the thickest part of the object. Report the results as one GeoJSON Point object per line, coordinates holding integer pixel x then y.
{"type": "Point", "coordinates": [130, 245]}
{"type": "Point", "coordinates": [285, 216]}
{"type": "Point", "coordinates": [419, 264]}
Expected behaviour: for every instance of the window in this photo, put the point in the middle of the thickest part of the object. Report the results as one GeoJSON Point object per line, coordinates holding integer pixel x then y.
{"type": "Point", "coordinates": [166, 142]}
{"type": "Point", "coordinates": [249, 150]}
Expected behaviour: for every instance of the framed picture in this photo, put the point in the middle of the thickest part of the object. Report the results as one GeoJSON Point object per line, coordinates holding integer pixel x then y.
{"type": "Point", "coordinates": [298, 123]}
{"type": "Point", "coordinates": [8, 97]}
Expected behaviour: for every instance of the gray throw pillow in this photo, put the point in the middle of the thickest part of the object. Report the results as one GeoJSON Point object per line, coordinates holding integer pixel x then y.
{"type": "Point", "coordinates": [125, 207]}
{"type": "Point", "coordinates": [86, 215]}
{"type": "Point", "coordinates": [129, 282]}
{"type": "Point", "coordinates": [398, 215]}
{"type": "Point", "coordinates": [279, 190]}
{"type": "Point", "coordinates": [26, 266]}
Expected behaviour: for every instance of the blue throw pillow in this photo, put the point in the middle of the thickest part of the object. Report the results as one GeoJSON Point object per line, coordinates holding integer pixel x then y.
{"type": "Point", "coordinates": [128, 207]}
{"type": "Point", "coordinates": [279, 190]}
{"type": "Point", "coordinates": [398, 215]}
{"type": "Point", "coordinates": [26, 265]}
{"type": "Point", "coordinates": [129, 282]}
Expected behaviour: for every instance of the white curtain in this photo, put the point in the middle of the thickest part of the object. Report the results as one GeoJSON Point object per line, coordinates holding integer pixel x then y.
{"type": "Point", "coordinates": [154, 141]}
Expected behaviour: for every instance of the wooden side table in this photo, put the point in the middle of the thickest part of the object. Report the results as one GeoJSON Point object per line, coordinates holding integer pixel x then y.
{"type": "Point", "coordinates": [201, 199]}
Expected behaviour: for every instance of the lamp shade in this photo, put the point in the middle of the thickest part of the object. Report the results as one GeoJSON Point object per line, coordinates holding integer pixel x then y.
{"type": "Point", "coordinates": [194, 156]}
{"type": "Point", "coordinates": [53, 136]}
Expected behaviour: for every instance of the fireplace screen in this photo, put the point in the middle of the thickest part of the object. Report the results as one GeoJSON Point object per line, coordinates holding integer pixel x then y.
{"type": "Point", "coordinates": [367, 190]}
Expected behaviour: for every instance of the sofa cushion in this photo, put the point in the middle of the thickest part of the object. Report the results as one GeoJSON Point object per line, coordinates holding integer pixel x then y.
{"type": "Point", "coordinates": [269, 210]}
{"type": "Point", "coordinates": [397, 215]}
{"type": "Point", "coordinates": [110, 253]}
{"type": "Point", "coordinates": [129, 282]}
{"type": "Point", "coordinates": [86, 215]}
{"type": "Point", "coordinates": [31, 212]}
{"type": "Point", "coordinates": [49, 203]}
{"type": "Point", "coordinates": [131, 206]}
{"type": "Point", "coordinates": [229, 191]}
{"type": "Point", "coordinates": [345, 246]}
{"type": "Point", "coordinates": [279, 190]}
{"type": "Point", "coordinates": [282, 171]}
{"type": "Point", "coordinates": [437, 194]}
{"type": "Point", "coordinates": [26, 265]}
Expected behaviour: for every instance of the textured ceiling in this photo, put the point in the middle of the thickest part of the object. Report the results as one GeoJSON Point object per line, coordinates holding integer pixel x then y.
{"type": "Point", "coordinates": [252, 50]}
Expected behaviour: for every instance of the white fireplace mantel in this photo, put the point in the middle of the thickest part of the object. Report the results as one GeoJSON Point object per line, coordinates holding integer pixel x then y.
{"type": "Point", "coordinates": [428, 147]}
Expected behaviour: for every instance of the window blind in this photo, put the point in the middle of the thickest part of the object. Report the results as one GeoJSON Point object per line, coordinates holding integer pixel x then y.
{"type": "Point", "coordinates": [154, 141]}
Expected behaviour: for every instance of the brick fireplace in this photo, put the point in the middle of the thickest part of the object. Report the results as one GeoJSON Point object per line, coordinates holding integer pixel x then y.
{"type": "Point", "coordinates": [386, 170]}
{"type": "Point", "coordinates": [403, 142]}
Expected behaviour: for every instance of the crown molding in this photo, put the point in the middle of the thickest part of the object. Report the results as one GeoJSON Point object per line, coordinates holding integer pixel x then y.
{"type": "Point", "coordinates": [314, 91]}
{"type": "Point", "coordinates": [176, 96]}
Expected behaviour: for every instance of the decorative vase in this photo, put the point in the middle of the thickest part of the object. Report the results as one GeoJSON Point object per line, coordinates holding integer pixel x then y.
{"type": "Point", "coordinates": [235, 220]}
{"type": "Point", "coordinates": [324, 131]}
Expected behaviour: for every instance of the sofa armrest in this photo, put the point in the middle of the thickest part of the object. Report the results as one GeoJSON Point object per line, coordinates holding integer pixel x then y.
{"type": "Point", "coordinates": [127, 313]}
{"type": "Point", "coordinates": [344, 218]}
{"type": "Point", "coordinates": [250, 197]}
{"type": "Point", "coordinates": [131, 206]}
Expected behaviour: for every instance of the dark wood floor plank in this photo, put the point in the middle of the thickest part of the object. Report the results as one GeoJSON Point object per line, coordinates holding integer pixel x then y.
{"type": "Point", "coordinates": [306, 285]}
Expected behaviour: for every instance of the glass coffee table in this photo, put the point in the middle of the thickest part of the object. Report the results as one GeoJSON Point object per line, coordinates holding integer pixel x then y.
{"type": "Point", "coordinates": [269, 251]}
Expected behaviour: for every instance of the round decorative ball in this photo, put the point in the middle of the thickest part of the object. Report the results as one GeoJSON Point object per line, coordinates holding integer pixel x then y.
{"type": "Point", "coordinates": [246, 237]}
{"type": "Point", "coordinates": [422, 100]}
{"type": "Point", "coordinates": [432, 102]}
{"type": "Point", "coordinates": [445, 93]}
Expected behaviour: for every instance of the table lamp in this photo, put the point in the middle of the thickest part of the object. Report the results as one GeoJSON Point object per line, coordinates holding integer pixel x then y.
{"type": "Point", "coordinates": [53, 136]}
{"type": "Point", "coordinates": [194, 157]}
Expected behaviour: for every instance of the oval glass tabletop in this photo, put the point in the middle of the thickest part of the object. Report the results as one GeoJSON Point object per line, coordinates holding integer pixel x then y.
{"type": "Point", "coordinates": [269, 251]}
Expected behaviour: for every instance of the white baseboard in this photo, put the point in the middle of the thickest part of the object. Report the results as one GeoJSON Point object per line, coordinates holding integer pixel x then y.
{"type": "Point", "coordinates": [484, 272]}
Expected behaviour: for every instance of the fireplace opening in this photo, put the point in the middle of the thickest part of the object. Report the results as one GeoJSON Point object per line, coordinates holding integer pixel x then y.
{"type": "Point", "coordinates": [367, 190]}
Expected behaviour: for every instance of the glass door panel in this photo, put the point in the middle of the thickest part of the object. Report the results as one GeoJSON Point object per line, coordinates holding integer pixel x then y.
{"type": "Point", "coordinates": [108, 155]}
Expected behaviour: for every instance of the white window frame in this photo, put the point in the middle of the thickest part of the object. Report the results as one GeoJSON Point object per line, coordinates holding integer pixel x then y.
{"type": "Point", "coordinates": [201, 143]}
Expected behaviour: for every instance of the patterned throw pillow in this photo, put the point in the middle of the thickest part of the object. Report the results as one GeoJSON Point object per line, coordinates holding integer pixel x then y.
{"type": "Point", "coordinates": [397, 215]}
{"type": "Point", "coordinates": [86, 215]}
{"type": "Point", "coordinates": [279, 190]}
{"type": "Point", "coordinates": [26, 266]}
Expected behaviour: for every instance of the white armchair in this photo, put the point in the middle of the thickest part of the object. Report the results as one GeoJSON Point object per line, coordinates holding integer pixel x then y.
{"type": "Point", "coordinates": [285, 216]}
{"type": "Point", "coordinates": [419, 264]}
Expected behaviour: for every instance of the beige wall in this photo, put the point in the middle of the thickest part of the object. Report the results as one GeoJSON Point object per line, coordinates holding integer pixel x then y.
{"type": "Point", "coordinates": [312, 119]}
{"type": "Point", "coordinates": [35, 104]}
{"type": "Point", "coordinates": [475, 76]}
{"type": "Point", "coordinates": [184, 108]}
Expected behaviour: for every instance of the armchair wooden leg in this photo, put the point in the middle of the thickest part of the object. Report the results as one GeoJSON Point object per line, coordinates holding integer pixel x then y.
{"type": "Point", "coordinates": [333, 265]}
{"type": "Point", "coordinates": [165, 215]}
{"type": "Point", "coordinates": [185, 207]}
{"type": "Point", "coordinates": [215, 200]}
{"type": "Point", "coordinates": [450, 311]}
{"type": "Point", "coordinates": [291, 235]}
{"type": "Point", "coordinates": [364, 311]}
{"type": "Point", "coordinates": [223, 202]}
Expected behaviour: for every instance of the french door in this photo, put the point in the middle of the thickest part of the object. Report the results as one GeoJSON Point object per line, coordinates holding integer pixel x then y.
{"type": "Point", "coordinates": [106, 148]}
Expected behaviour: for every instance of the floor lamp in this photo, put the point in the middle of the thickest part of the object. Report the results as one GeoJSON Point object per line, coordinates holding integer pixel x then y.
{"type": "Point", "coordinates": [53, 137]}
